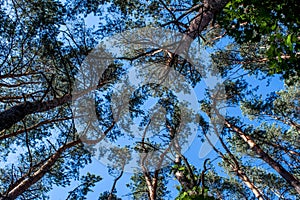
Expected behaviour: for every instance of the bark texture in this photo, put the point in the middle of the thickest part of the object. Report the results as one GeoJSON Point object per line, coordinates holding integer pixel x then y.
{"type": "Point", "coordinates": [290, 178]}
{"type": "Point", "coordinates": [207, 13]}
{"type": "Point", "coordinates": [27, 182]}
{"type": "Point", "coordinates": [16, 113]}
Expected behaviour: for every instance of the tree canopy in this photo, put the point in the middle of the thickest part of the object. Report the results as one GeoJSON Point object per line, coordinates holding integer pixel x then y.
{"type": "Point", "coordinates": [145, 86]}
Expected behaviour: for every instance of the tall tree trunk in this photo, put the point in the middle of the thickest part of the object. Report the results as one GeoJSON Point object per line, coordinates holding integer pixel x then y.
{"type": "Point", "coordinates": [25, 184]}
{"type": "Point", "coordinates": [16, 113]}
{"type": "Point", "coordinates": [149, 183]}
{"type": "Point", "coordinates": [207, 13]}
{"type": "Point", "coordinates": [235, 166]}
{"type": "Point", "coordinates": [291, 179]}
{"type": "Point", "coordinates": [115, 183]}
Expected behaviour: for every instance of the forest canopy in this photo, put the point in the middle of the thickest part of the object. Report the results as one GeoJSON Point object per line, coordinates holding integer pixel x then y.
{"type": "Point", "coordinates": [176, 99]}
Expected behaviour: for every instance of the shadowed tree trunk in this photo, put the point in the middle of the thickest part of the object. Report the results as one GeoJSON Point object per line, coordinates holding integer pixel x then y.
{"type": "Point", "coordinates": [29, 180]}
{"type": "Point", "coordinates": [207, 12]}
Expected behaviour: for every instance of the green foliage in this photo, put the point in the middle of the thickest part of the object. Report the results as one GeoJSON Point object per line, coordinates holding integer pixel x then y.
{"type": "Point", "coordinates": [139, 187]}
{"type": "Point", "coordinates": [81, 191]}
{"type": "Point", "coordinates": [195, 194]}
{"type": "Point", "coordinates": [186, 196]}
{"type": "Point", "coordinates": [276, 22]}
{"type": "Point", "coordinates": [105, 195]}
{"type": "Point", "coordinates": [43, 44]}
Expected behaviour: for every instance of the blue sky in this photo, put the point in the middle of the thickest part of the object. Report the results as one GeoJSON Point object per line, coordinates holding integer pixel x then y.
{"type": "Point", "coordinates": [195, 155]}
{"type": "Point", "coordinates": [197, 151]}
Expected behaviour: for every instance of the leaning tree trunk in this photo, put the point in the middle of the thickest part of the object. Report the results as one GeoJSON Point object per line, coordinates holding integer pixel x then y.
{"type": "Point", "coordinates": [235, 166]}
{"type": "Point", "coordinates": [290, 178]}
{"type": "Point", "coordinates": [27, 182]}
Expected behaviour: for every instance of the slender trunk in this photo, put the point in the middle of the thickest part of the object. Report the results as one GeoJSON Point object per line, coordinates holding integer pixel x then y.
{"type": "Point", "coordinates": [186, 183]}
{"type": "Point", "coordinates": [151, 189]}
{"type": "Point", "coordinates": [152, 181]}
{"type": "Point", "coordinates": [249, 184]}
{"type": "Point", "coordinates": [148, 179]}
{"type": "Point", "coordinates": [35, 177]}
{"type": "Point", "coordinates": [235, 166]}
{"type": "Point", "coordinates": [292, 180]}
{"type": "Point", "coordinates": [114, 184]}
